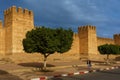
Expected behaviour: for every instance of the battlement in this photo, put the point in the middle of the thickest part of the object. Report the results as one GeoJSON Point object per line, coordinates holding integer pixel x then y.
{"type": "Point", "coordinates": [75, 35]}
{"type": "Point", "coordinates": [0, 24]}
{"type": "Point", "coordinates": [117, 39]}
{"type": "Point", "coordinates": [18, 10]}
{"type": "Point", "coordinates": [117, 35]}
{"type": "Point", "coordinates": [105, 39]}
{"type": "Point", "coordinates": [90, 27]}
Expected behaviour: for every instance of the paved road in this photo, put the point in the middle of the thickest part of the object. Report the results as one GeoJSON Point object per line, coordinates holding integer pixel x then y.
{"type": "Point", "coordinates": [102, 75]}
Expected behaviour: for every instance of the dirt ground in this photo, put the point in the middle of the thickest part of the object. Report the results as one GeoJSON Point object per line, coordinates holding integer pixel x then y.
{"type": "Point", "coordinates": [25, 71]}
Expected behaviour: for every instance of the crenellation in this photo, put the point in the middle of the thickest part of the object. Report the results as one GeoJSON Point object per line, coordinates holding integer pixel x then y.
{"type": "Point", "coordinates": [116, 35]}
{"type": "Point", "coordinates": [18, 21]}
{"type": "Point", "coordinates": [102, 41]}
{"type": "Point", "coordinates": [95, 27]}
{"type": "Point", "coordinates": [75, 35]}
{"type": "Point", "coordinates": [88, 41]}
{"type": "Point", "coordinates": [19, 10]}
{"type": "Point", "coordinates": [30, 13]}
{"type": "Point", "coordinates": [79, 28]}
{"type": "Point", "coordinates": [117, 39]}
{"type": "Point", "coordinates": [5, 12]}
{"type": "Point", "coordinates": [107, 39]}
{"type": "Point", "coordinates": [10, 10]}
{"type": "Point", "coordinates": [26, 12]}
{"type": "Point", "coordinates": [13, 9]}
{"type": "Point", "coordinates": [0, 24]}
{"type": "Point", "coordinates": [91, 27]}
{"type": "Point", "coordinates": [84, 28]}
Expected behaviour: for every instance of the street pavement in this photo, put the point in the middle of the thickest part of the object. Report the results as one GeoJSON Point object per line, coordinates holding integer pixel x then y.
{"type": "Point", "coordinates": [101, 75]}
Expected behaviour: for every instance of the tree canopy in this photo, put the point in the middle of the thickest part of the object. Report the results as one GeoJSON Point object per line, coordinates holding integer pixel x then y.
{"type": "Point", "coordinates": [47, 41]}
{"type": "Point", "coordinates": [108, 49]}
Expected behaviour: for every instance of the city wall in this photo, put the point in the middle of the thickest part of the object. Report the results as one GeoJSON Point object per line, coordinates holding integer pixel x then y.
{"type": "Point", "coordinates": [18, 21]}
{"type": "Point", "coordinates": [101, 41]}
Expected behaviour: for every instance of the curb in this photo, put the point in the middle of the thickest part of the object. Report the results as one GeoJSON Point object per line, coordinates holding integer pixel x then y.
{"type": "Point", "coordinates": [75, 73]}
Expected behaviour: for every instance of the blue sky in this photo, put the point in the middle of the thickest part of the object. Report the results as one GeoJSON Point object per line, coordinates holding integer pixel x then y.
{"type": "Point", "coordinates": [104, 14]}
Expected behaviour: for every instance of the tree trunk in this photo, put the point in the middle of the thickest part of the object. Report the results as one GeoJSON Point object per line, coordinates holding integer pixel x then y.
{"type": "Point", "coordinates": [45, 63]}
{"type": "Point", "coordinates": [107, 58]}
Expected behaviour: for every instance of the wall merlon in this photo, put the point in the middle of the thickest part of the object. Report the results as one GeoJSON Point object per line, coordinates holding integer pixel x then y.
{"type": "Point", "coordinates": [20, 10]}
{"type": "Point", "coordinates": [75, 35]}
{"type": "Point", "coordinates": [90, 27]}
{"type": "Point", "coordinates": [26, 12]}
{"type": "Point", "coordinates": [116, 35]}
{"type": "Point", "coordinates": [10, 10]}
{"type": "Point", "coordinates": [82, 28]}
{"type": "Point", "coordinates": [117, 39]}
{"type": "Point", "coordinates": [17, 21]}
{"type": "Point", "coordinates": [13, 9]}
{"type": "Point", "coordinates": [0, 24]}
{"type": "Point", "coordinates": [106, 39]}
{"type": "Point", "coordinates": [5, 12]}
{"type": "Point", "coordinates": [30, 13]}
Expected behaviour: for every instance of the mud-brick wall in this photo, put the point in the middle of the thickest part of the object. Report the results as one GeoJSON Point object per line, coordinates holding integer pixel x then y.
{"type": "Point", "coordinates": [101, 41]}
{"type": "Point", "coordinates": [73, 53]}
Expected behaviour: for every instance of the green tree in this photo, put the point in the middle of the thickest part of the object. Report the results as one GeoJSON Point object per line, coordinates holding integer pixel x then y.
{"type": "Point", "coordinates": [108, 49]}
{"type": "Point", "coordinates": [47, 41]}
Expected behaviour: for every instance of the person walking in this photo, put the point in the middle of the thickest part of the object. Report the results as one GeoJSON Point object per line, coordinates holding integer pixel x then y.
{"type": "Point", "coordinates": [89, 64]}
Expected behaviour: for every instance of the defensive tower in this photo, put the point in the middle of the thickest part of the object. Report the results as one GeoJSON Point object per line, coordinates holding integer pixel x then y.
{"type": "Point", "coordinates": [17, 22]}
{"type": "Point", "coordinates": [87, 41]}
{"type": "Point", "coordinates": [2, 38]}
{"type": "Point", "coordinates": [1, 24]}
{"type": "Point", "coordinates": [117, 39]}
